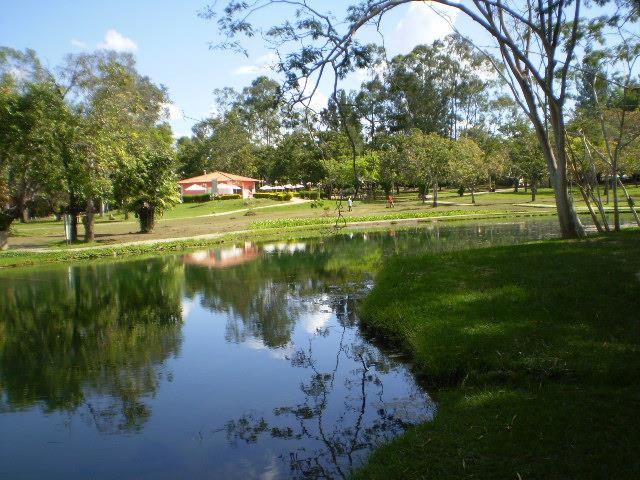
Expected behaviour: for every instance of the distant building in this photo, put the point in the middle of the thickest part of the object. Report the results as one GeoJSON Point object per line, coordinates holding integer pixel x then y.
{"type": "Point", "coordinates": [218, 183]}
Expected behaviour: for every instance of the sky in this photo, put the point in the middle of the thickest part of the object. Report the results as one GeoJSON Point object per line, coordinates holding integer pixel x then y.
{"type": "Point", "coordinates": [172, 43]}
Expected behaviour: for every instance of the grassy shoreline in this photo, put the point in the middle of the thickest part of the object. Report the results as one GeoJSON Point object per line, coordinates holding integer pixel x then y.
{"type": "Point", "coordinates": [532, 352]}
{"type": "Point", "coordinates": [62, 254]}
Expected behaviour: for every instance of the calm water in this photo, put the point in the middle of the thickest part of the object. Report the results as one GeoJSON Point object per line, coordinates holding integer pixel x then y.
{"type": "Point", "coordinates": [242, 362]}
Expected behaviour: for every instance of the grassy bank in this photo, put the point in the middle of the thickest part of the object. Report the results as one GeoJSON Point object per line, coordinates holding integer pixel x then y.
{"type": "Point", "coordinates": [15, 259]}
{"type": "Point", "coordinates": [532, 353]}
{"type": "Point", "coordinates": [265, 231]}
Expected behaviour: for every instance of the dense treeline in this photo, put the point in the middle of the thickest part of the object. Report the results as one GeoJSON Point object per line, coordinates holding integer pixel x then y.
{"type": "Point", "coordinates": [93, 133]}
{"type": "Point", "coordinates": [436, 116]}
{"type": "Point", "coordinates": [88, 133]}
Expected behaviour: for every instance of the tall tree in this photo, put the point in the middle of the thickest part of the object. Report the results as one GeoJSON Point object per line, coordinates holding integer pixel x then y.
{"type": "Point", "coordinates": [146, 180]}
{"type": "Point", "coordinates": [536, 40]}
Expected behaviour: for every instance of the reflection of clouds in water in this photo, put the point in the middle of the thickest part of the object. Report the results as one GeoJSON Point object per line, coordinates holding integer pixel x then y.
{"type": "Point", "coordinates": [284, 247]}
{"type": "Point", "coordinates": [317, 320]}
{"type": "Point", "coordinates": [281, 353]}
{"type": "Point", "coordinates": [272, 471]}
{"type": "Point", "coordinates": [187, 306]}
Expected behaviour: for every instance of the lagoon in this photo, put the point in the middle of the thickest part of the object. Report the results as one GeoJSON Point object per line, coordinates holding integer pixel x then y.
{"type": "Point", "coordinates": [245, 361]}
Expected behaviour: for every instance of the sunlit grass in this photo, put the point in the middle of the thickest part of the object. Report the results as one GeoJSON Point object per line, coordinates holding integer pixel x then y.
{"type": "Point", "coordinates": [532, 351]}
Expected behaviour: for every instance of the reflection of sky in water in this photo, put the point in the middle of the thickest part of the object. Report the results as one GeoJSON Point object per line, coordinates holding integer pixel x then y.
{"type": "Point", "coordinates": [239, 362]}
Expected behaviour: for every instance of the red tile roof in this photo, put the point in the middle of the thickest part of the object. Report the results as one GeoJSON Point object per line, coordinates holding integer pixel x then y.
{"type": "Point", "coordinates": [219, 176]}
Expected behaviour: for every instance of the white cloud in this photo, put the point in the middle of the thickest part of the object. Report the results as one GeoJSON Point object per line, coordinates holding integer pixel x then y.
{"type": "Point", "coordinates": [264, 64]}
{"type": "Point", "coordinates": [423, 23]}
{"type": "Point", "coordinates": [18, 74]}
{"type": "Point", "coordinates": [247, 70]}
{"type": "Point", "coordinates": [318, 100]}
{"type": "Point", "coordinates": [172, 111]}
{"type": "Point", "coordinates": [78, 43]}
{"type": "Point", "coordinates": [114, 40]}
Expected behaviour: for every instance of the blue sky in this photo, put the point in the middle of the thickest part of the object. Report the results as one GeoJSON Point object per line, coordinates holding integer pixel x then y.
{"type": "Point", "coordinates": [171, 42]}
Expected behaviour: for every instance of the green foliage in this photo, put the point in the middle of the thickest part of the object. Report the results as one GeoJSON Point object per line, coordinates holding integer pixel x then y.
{"type": "Point", "coordinates": [228, 196]}
{"type": "Point", "coordinates": [311, 194]}
{"type": "Point", "coordinates": [280, 196]}
{"type": "Point", "coordinates": [467, 163]}
{"type": "Point", "coordinates": [196, 198]}
{"type": "Point", "coordinates": [145, 182]}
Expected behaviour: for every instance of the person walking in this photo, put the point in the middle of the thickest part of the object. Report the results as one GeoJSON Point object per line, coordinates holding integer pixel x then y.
{"type": "Point", "coordinates": [349, 203]}
{"type": "Point", "coordinates": [391, 201]}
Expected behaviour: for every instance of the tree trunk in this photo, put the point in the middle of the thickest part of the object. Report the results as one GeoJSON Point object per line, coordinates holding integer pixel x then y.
{"type": "Point", "coordinates": [570, 225]}
{"type": "Point", "coordinates": [534, 190]}
{"type": "Point", "coordinates": [73, 230]}
{"type": "Point", "coordinates": [73, 211]}
{"type": "Point", "coordinates": [473, 195]}
{"type": "Point", "coordinates": [616, 206]}
{"type": "Point", "coordinates": [89, 222]}
{"type": "Point", "coordinates": [525, 186]}
{"type": "Point", "coordinates": [4, 239]}
{"type": "Point", "coordinates": [146, 216]}
{"type": "Point", "coordinates": [556, 158]}
{"type": "Point", "coordinates": [516, 185]}
{"type": "Point", "coordinates": [24, 215]}
{"type": "Point", "coordinates": [435, 193]}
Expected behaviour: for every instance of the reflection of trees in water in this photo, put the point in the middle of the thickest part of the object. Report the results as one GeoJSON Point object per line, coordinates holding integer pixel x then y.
{"type": "Point", "coordinates": [335, 443]}
{"type": "Point", "coordinates": [262, 297]}
{"type": "Point", "coordinates": [90, 342]}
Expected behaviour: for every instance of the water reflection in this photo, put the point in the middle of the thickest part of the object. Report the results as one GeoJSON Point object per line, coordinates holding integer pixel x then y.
{"type": "Point", "coordinates": [89, 340]}
{"type": "Point", "coordinates": [344, 410]}
{"type": "Point", "coordinates": [239, 362]}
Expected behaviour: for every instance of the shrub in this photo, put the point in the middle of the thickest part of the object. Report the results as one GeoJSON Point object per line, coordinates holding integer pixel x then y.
{"type": "Point", "coordinates": [310, 194]}
{"type": "Point", "coordinates": [279, 196]}
{"type": "Point", "coordinates": [324, 220]}
{"type": "Point", "coordinates": [228, 196]}
{"type": "Point", "coordinates": [196, 198]}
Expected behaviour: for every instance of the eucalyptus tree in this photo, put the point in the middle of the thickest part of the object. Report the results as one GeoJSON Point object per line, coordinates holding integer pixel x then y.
{"type": "Point", "coordinates": [260, 107]}
{"type": "Point", "coordinates": [608, 112]}
{"type": "Point", "coordinates": [370, 104]}
{"type": "Point", "coordinates": [437, 87]}
{"type": "Point", "coordinates": [218, 143]}
{"type": "Point", "coordinates": [536, 40]}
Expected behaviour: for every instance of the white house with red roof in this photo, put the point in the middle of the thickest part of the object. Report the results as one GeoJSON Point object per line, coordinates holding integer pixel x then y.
{"type": "Point", "coordinates": [218, 183]}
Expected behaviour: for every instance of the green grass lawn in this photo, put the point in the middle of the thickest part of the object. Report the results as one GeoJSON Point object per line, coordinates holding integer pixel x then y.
{"type": "Point", "coordinates": [187, 220]}
{"type": "Point", "coordinates": [532, 353]}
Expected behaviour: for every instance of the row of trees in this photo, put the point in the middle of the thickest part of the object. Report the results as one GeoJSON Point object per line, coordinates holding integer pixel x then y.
{"type": "Point", "coordinates": [88, 133]}
{"type": "Point", "coordinates": [538, 49]}
{"type": "Point", "coordinates": [402, 126]}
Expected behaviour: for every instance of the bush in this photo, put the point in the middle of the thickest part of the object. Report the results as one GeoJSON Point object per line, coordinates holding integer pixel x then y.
{"type": "Point", "coordinates": [310, 194]}
{"type": "Point", "coordinates": [196, 198]}
{"type": "Point", "coordinates": [279, 196]}
{"type": "Point", "coordinates": [228, 196]}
